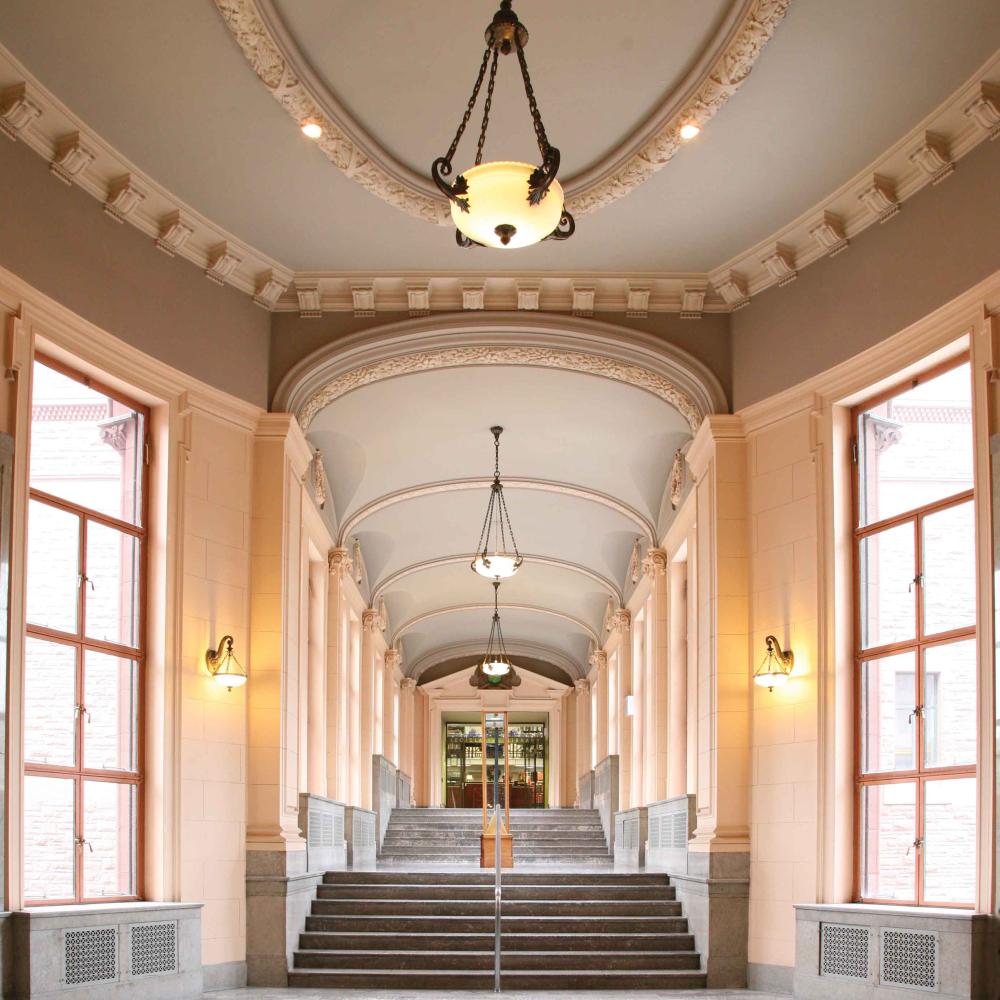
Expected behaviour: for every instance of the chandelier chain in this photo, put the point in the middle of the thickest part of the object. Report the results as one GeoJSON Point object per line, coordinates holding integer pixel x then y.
{"type": "Point", "coordinates": [486, 107]}
{"type": "Point", "coordinates": [536, 115]}
{"type": "Point", "coordinates": [510, 527]}
{"type": "Point", "coordinates": [471, 105]}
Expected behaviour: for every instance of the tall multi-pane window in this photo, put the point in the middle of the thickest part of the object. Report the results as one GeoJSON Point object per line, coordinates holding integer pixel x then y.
{"type": "Point", "coordinates": [915, 630]}
{"type": "Point", "coordinates": [83, 651]}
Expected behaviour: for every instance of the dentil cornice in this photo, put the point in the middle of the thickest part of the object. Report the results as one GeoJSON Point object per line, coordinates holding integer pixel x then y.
{"type": "Point", "coordinates": [929, 154]}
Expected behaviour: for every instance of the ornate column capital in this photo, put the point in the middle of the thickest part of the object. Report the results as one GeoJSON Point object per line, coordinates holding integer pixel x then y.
{"type": "Point", "coordinates": [655, 563]}
{"type": "Point", "coordinates": [340, 562]}
{"type": "Point", "coordinates": [621, 620]}
{"type": "Point", "coordinates": [370, 620]}
{"type": "Point", "coordinates": [582, 686]}
{"type": "Point", "coordinates": [408, 684]}
{"type": "Point", "coordinates": [393, 658]}
{"type": "Point", "coordinates": [599, 659]}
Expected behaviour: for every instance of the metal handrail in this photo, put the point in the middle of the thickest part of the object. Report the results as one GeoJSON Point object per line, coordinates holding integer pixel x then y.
{"type": "Point", "coordinates": [498, 887]}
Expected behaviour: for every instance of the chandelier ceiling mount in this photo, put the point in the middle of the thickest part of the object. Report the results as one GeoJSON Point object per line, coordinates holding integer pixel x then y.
{"type": "Point", "coordinates": [504, 204]}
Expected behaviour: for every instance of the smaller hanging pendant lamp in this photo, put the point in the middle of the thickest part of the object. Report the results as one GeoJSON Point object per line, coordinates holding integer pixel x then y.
{"type": "Point", "coordinates": [496, 670]}
{"type": "Point", "coordinates": [496, 555]}
{"type": "Point", "coordinates": [504, 204]}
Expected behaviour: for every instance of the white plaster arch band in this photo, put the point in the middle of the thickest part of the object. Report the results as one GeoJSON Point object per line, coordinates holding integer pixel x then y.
{"type": "Point", "coordinates": [516, 647]}
{"type": "Point", "coordinates": [715, 75]}
{"type": "Point", "coordinates": [460, 608]}
{"type": "Point", "coordinates": [568, 343]}
{"type": "Point", "coordinates": [390, 581]}
{"type": "Point", "coordinates": [351, 523]}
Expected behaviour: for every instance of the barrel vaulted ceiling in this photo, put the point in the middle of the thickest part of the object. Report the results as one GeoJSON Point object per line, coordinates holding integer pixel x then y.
{"type": "Point", "coordinates": [585, 459]}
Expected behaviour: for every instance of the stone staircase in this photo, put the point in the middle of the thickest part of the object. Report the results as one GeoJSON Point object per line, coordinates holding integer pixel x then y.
{"type": "Point", "coordinates": [435, 931]}
{"type": "Point", "coordinates": [433, 837]}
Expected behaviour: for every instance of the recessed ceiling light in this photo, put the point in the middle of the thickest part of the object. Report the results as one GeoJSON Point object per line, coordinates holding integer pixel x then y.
{"type": "Point", "coordinates": [311, 130]}
{"type": "Point", "coordinates": [689, 130]}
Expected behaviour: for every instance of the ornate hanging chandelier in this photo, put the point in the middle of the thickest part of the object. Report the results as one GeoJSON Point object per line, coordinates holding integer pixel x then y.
{"type": "Point", "coordinates": [497, 556]}
{"type": "Point", "coordinates": [504, 204]}
{"type": "Point", "coordinates": [496, 670]}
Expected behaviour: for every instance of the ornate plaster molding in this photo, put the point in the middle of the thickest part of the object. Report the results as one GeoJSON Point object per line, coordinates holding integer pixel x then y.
{"type": "Point", "coordinates": [339, 562]}
{"type": "Point", "coordinates": [535, 357]}
{"type": "Point", "coordinates": [535, 609]}
{"type": "Point", "coordinates": [77, 155]}
{"type": "Point", "coordinates": [383, 586]}
{"type": "Point", "coordinates": [514, 339]}
{"type": "Point", "coordinates": [621, 621]}
{"type": "Point", "coordinates": [598, 660]}
{"type": "Point", "coordinates": [352, 521]}
{"type": "Point", "coordinates": [717, 74]}
{"type": "Point", "coordinates": [655, 563]}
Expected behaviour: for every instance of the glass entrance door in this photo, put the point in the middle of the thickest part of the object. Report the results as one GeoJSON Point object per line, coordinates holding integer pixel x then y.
{"type": "Point", "coordinates": [527, 756]}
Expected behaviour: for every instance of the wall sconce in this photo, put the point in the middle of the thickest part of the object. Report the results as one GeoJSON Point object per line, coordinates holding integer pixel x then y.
{"type": "Point", "coordinates": [224, 666]}
{"type": "Point", "coordinates": [775, 667]}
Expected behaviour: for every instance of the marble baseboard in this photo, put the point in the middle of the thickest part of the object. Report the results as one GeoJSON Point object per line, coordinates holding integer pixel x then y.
{"type": "Point", "coordinates": [224, 976]}
{"type": "Point", "coordinates": [775, 979]}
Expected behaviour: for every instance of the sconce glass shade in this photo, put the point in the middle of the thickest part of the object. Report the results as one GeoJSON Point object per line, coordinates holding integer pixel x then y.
{"type": "Point", "coordinates": [770, 677]}
{"type": "Point", "coordinates": [775, 667]}
{"type": "Point", "coordinates": [498, 203]}
{"type": "Point", "coordinates": [496, 565]}
{"type": "Point", "coordinates": [223, 665]}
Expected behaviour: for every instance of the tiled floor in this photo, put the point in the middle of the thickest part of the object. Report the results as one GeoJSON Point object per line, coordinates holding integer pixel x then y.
{"type": "Point", "coordinates": [268, 993]}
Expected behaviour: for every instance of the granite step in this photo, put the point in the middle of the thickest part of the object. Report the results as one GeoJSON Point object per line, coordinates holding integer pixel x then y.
{"type": "Point", "coordinates": [542, 925]}
{"type": "Point", "coordinates": [571, 908]}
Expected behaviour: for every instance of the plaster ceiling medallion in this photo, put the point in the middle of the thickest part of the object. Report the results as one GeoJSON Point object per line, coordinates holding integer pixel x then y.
{"type": "Point", "coordinates": [496, 554]}
{"type": "Point", "coordinates": [504, 204]}
{"type": "Point", "coordinates": [718, 70]}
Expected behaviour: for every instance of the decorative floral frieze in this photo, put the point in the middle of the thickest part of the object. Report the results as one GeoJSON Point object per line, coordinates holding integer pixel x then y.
{"type": "Point", "coordinates": [537, 357]}
{"type": "Point", "coordinates": [369, 166]}
{"type": "Point", "coordinates": [262, 52]}
{"type": "Point", "coordinates": [723, 80]}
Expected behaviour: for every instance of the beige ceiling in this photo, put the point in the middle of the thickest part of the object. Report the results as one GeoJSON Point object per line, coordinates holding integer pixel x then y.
{"type": "Point", "coordinates": [166, 84]}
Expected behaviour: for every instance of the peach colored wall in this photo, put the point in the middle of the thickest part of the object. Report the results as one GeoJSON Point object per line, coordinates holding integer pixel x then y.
{"type": "Point", "coordinates": [59, 240]}
{"type": "Point", "coordinates": [213, 745]}
{"type": "Point", "coordinates": [783, 543]}
{"type": "Point", "coordinates": [941, 243]}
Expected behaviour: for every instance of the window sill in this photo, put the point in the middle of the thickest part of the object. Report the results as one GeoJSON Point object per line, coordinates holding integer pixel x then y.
{"type": "Point", "coordinates": [64, 910]}
{"type": "Point", "coordinates": [884, 909]}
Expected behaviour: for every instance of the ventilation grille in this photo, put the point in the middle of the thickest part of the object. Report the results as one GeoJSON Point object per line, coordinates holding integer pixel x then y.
{"type": "Point", "coordinates": [91, 955]}
{"type": "Point", "coordinates": [338, 827]}
{"type": "Point", "coordinates": [321, 832]}
{"type": "Point", "coordinates": [364, 829]}
{"type": "Point", "coordinates": [152, 949]}
{"type": "Point", "coordinates": [668, 829]}
{"type": "Point", "coordinates": [843, 951]}
{"type": "Point", "coordinates": [909, 958]}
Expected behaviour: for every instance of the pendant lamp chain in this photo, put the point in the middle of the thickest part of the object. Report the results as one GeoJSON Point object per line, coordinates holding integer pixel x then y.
{"type": "Point", "coordinates": [504, 204]}
{"type": "Point", "coordinates": [496, 527]}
